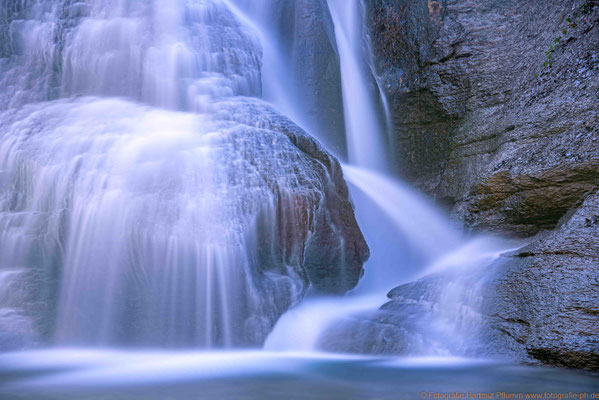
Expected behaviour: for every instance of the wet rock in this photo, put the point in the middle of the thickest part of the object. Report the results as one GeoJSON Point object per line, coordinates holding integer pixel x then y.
{"type": "Point", "coordinates": [333, 265]}
{"type": "Point", "coordinates": [307, 35]}
{"type": "Point", "coordinates": [20, 316]}
{"type": "Point", "coordinates": [398, 328]}
{"type": "Point", "coordinates": [153, 158]}
{"type": "Point", "coordinates": [318, 73]}
{"type": "Point", "coordinates": [435, 316]}
{"type": "Point", "coordinates": [495, 112]}
{"type": "Point", "coordinates": [545, 299]}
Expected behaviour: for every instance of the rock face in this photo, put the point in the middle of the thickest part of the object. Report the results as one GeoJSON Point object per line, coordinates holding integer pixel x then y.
{"type": "Point", "coordinates": [312, 52]}
{"type": "Point", "coordinates": [242, 207]}
{"type": "Point", "coordinates": [495, 112]}
{"type": "Point", "coordinates": [440, 314]}
{"type": "Point", "coordinates": [301, 65]}
{"type": "Point", "coordinates": [335, 249]}
{"type": "Point", "coordinates": [494, 104]}
{"type": "Point", "coordinates": [545, 299]}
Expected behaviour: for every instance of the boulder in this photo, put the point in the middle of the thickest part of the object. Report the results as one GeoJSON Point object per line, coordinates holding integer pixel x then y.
{"type": "Point", "coordinates": [153, 198]}
{"type": "Point", "coordinates": [438, 315]}
{"type": "Point", "coordinates": [494, 105]}
{"type": "Point", "coordinates": [305, 35]}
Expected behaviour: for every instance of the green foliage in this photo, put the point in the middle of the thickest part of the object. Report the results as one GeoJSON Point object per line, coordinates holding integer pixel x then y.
{"type": "Point", "coordinates": [570, 23]}
{"type": "Point", "coordinates": [588, 6]}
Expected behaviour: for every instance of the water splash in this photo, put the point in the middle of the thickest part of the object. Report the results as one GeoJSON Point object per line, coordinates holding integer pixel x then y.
{"type": "Point", "coordinates": [301, 328]}
{"type": "Point", "coordinates": [138, 198]}
{"type": "Point", "coordinates": [421, 242]}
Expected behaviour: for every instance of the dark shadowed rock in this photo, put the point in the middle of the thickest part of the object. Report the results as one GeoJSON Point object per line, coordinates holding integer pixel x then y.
{"type": "Point", "coordinates": [306, 34]}
{"type": "Point", "coordinates": [335, 249]}
{"type": "Point", "coordinates": [495, 112]}
{"type": "Point", "coordinates": [395, 329]}
{"type": "Point", "coordinates": [437, 315]}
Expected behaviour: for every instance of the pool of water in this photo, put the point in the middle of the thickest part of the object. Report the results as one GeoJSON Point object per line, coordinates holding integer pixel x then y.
{"type": "Point", "coordinates": [62, 374]}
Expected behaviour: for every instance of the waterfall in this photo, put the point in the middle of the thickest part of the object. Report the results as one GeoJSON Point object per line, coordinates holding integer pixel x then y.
{"type": "Point", "coordinates": [149, 197]}
{"type": "Point", "coordinates": [300, 70]}
{"type": "Point", "coordinates": [199, 199]}
{"type": "Point", "coordinates": [363, 129]}
{"type": "Point", "coordinates": [409, 237]}
{"type": "Point", "coordinates": [156, 196]}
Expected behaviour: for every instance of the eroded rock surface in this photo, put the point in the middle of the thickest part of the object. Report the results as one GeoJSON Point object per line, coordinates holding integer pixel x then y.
{"type": "Point", "coordinates": [488, 117]}
{"type": "Point", "coordinates": [546, 297]}
{"type": "Point", "coordinates": [537, 304]}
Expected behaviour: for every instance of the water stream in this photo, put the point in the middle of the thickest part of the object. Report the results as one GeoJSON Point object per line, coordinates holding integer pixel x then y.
{"type": "Point", "coordinates": [408, 236]}
{"type": "Point", "coordinates": [134, 215]}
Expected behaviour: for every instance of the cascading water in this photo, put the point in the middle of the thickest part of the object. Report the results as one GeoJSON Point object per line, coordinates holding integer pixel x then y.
{"type": "Point", "coordinates": [138, 195]}
{"type": "Point", "coordinates": [408, 237]}
{"type": "Point", "coordinates": [149, 198]}
{"type": "Point", "coordinates": [155, 225]}
{"type": "Point", "coordinates": [363, 128]}
{"type": "Point", "coordinates": [300, 67]}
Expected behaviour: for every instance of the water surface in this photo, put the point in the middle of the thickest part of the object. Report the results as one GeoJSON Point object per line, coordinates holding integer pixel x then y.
{"type": "Point", "coordinates": [93, 374]}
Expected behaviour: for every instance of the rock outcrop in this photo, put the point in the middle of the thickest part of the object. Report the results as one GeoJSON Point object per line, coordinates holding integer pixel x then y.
{"type": "Point", "coordinates": [495, 112]}
{"type": "Point", "coordinates": [544, 301]}
{"type": "Point", "coordinates": [494, 104]}
{"type": "Point", "coordinates": [243, 207]}
{"type": "Point", "coordinates": [303, 76]}
{"type": "Point", "coordinates": [307, 34]}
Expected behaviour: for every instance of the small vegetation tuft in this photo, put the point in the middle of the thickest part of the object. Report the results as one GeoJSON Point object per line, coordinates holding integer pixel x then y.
{"type": "Point", "coordinates": [571, 23]}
